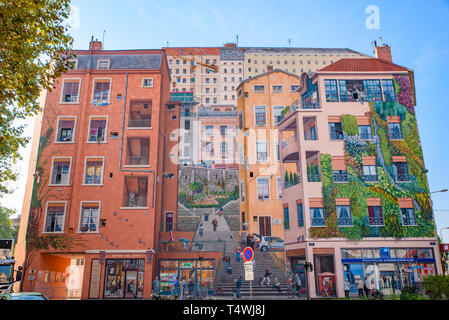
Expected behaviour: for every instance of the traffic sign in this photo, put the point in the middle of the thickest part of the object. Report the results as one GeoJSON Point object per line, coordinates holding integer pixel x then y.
{"type": "Point", "coordinates": [249, 273]}
{"type": "Point", "coordinates": [248, 254]}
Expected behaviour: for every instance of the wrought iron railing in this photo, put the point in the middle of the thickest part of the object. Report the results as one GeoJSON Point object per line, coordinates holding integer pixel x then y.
{"type": "Point", "coordinates": [310, 136]}
{"type": "Point", "coordinates": [370, 177]}
{"type": "Point", "coordinates": [376, 221]}
{"type": "Point", "coordinates": [402, 177]}
{"type": "Point", "coordinates": [341, 176]}
{"type": "Point", "coordinates": [336, 135]}
{"type": "Point", "coordinates": [289, 140]}
{"type": "Point", "coordinates": [318, 222]}
{"type": "Point", "coordinates": [347, 221]}
{"type": "Point", "coordinates": [313, 177]}
{"type": "Point", "coordinates": [139, 123]}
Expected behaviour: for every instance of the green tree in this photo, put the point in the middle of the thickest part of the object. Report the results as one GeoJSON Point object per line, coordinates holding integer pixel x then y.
{"type": "Point", "coordinates": [6, 230]}
{"type": "Point", "coordinates": [34, 44]}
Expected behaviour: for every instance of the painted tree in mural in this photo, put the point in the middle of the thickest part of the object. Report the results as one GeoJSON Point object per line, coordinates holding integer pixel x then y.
{"type": "Point", "coordinates": [386, 188]}
{"type": "Point", "coordinates": [33, 43]}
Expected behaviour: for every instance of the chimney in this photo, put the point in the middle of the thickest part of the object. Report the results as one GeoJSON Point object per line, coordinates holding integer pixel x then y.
{"type": "Point", "coordinates": [382, 51]}
{"type": "Point", "coordinates": [95, 45]}
{"type": "Point", "coordinates": [269, 68]}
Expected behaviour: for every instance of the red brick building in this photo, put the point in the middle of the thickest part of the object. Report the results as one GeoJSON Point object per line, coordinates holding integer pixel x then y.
{"type": "Point", "coordinates": [100, 175]}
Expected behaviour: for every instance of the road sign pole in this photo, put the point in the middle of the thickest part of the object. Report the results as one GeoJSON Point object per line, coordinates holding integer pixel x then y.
{"type": "Point", "coordinates": [250, 290]}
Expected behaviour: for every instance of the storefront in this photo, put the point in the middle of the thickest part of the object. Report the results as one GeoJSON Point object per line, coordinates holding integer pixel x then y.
{"type": "Point", "coordinates": [387, 269]}
{"type": "Point", "coordinates": [201, 272]}
{"type": "Point", "coordinates": [124, 278]}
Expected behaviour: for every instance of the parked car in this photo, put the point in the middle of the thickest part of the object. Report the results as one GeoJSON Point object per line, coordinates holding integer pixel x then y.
{"type": "Point", "coordinates": [23, 296]}
{"type": "Point", "coordinates": [271, 243]}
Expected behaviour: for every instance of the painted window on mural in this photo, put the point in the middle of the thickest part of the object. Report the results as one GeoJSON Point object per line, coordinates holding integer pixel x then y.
{"type": "Point", "coordinates": [260, 115]}
{"type": "Point", "coordinates": [372, 90]}
{"type": "Point", "coordinates": [262, 151]}
{"type": "Point", "coordinates": [277, 114]}
{"type": "Point", "coordinates": [317, 217]}
{"type": "Point", "coordinates": [375, 215]}
{"type": "Point", "coordinates": [97, 130]}
{"type": "Point", "coordinates": [55, 218]}
{"type": "Point", "coordinates": [388, 90]}
{"type": "Point", "coordinates": [300, 215]}
{"type": "Point", "coordinates": [89, 217]}
{"type": "Point", "coordinates": [330, 87]}
{"type": "Point", "coordinates": [61, 172]}
{"type": "Point", "coordinates": [344, 216]}
{"type": "Point", "coordinates": [394, 131]}
{"type": "Point", "coordinates": [263, 188]}
{"type": "Point", "coordinates": [350, 90]}
{"type": "Point", "coordinates": [365, 132]}
{"type": "Point", "coordinates": [286, 218]}
{"type": "Point", "coordinates": [401, 171]}
{"type": "Point", "coordinates": [94, 172]}
{"type": "Point", "coordinates": [102, 91]}
{"type": "Point", "coordinates": [65, 130]}
{"type": "Point", "coordinates": [70, 91]}
{"type": "Point", "coordinates": [408, 216]}
{"type": "Point", "coordinates": [335, 131]}
{"type": "Point", "coordinates": [369, 173]}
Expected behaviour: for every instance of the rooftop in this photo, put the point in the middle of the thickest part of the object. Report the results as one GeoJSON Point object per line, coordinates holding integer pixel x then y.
{"type": "Point", "coordinates": [362, 65]}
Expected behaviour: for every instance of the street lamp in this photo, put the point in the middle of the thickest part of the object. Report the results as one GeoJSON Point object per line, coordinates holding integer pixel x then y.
{"type": "Point", "coordinates": [442, 190]}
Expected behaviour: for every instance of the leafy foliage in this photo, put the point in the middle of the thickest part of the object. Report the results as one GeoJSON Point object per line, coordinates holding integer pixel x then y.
{"type": "Point", "coordinates": [349, 124]}
{"type": "Point", "coordinates": [437, 287]}
{"type": "Point", "coordinates": [33, 52]}
{"type": "Point", "coordinates": [6, 230]}
{"type": "Point", "coordinates": [354, 145]}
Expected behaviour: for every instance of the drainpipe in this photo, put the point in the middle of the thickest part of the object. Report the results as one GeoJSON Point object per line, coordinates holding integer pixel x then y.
{"type": "Point", "coordinates": [121, 145]}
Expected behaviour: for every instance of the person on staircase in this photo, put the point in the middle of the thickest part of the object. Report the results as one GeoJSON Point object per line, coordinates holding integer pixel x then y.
{"type": "Point", "coordinates": [266, 277]}
{"type": "Point", "coordinates": [214, 224]}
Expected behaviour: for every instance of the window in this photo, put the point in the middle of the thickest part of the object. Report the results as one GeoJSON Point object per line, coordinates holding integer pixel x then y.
{"type": "Point", "coordinates": [61, 171]}
{"type": "Point", "coordinates": [365, 132]}
{"type": "Point", "coordinates": [294, 87]}
{"type": "Point", "coordinates": [260, 115]}
{"type": "Point", "coordinates": [277, 150]}
{"type": "Point", "coordinates": [147, 82]}
{"type": "Point", "coordinates": [186, 151]}
{"type": "Point", "coordinates": [408, 217]}
{"type": "Point", "coordinates": [223, 130]}
{"type": "Point", "coordinates": [344, 216]}
{"type": "Point", "coordinates": [286, 218]}
{"type": "Point", "coordinates": [317, 217]}
{"type": "Point", "coordinates": [369, 173]}
{"type": "Point", "coordinates": [300, 215]}
{"type": "Point", "coordinates": [135, 192]}
{"type": "Point", "coordinates": [207, 100]}
{"type": "Point", "coordinates": [207, 80]}
{"type": "Point", "coordinates": [70, 91]}
{"type": "Point", "coordinates": [187, 124]}
{"type": "Point", "coordinates": [240, 120]}
{"type": "Point", "coordinates": [263, 186]}
{"type": "Point", "coordinates": [209, 130]}
{"type": "Point", "coordinates": [140, 114]}
{"type": "Point", "coordinates": [279, 187]}
{"type": "Point", "coordinates": [73, 64]}
{"type": "Point", "coordinates": [124, 278]}
{"type": "Point", "coordinates": [350, 90]}
{"type": "Point", "coordinates": [330, 87]}
{"type": "Point", "coordinates": [335, 131]}
{"type": "Point", "coordinates": [401, 171]}
{"type": "Point", "coordinates": [388, 90]}
{"type": "Point", "coordinates": [276, 88]}
{"type": "Point", "coordinates": [101, 91]}
{"type": "Point", "coordinates": [261, 151]}
{"type": "Point", "coordinates": [94, 171]}
{"type": "Point", "coordinates": [277, 114]}
{"type": "Point", "coordinates": [242, 190]}
{"type": "Point", "coordinates": [375, 216]}
{"type": "Point", "coordinates": [66, 130]}
{"type": "Point", "coordinates": [209, 147]}
{"type": "Point", "coordinates": [103, 64]}
{"type": "Point", "coordinates": [90, 213]}
{"type": "Point", "coordinates": [224, 148]}
{"type": "Point", "coordinates": [372, 90]}
{"type": "Point", "coordinates": [97, 130]}
{"type": "Point", "coordinates": [394, 131]}
{"type": "Point", "coordinates": [55, 217]}
{"type": "Point", "coordinates": [259, 88]}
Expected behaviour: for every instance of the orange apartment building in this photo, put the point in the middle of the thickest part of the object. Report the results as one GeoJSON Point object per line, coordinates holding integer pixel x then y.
{"type": "Point", "coordinates": [260, 101]}
{"type": "Point", "coordinates": [103, 164]}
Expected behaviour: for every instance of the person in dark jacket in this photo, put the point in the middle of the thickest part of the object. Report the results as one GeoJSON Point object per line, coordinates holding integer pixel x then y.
{"type": "Point", "coordinates": [238, 286]}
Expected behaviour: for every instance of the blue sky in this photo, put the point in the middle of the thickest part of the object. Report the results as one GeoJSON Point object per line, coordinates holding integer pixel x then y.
{"type": "Point", "coordinates": [417, 31]}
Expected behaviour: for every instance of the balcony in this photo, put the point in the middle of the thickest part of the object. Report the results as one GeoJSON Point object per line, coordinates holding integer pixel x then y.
{"type": "Point", "coordinates": [318, 222]}
{"type": "Point", "coordinates": [289, 140]}
{"type": "Point", "coordinates": [135, 192]}
{"type": "Point", "coordinates": [336, 135]}
{"type": "Point", "coordinates": [376, 221]}
{"type": "Point", "coordinates": [341, 176]}
{"type": "Point", "coordinates": [402, 177]}
{"type": "Point", "coordinates": [310, 136]}
{"type": "Point", "coordinates": [140, 114]}
{"type": "Point", "coordinates": [313, 177]}
{"type": "Point", "coordinates": [137, 152]}
{"type": "Point", "coordinates": [370, 177]}
{"type": "Point", "coordinates": [344, 222]}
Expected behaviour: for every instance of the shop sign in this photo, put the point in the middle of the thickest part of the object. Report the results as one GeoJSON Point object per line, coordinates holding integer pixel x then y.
{"type": "Point", "coordinates": [444, 247]}
{"type": "Point", "coordinates": [277, 221]}
{"type": "Point", "coordinates": [188, 265]}
{"type": "Point", "coordinates": [385, 253]}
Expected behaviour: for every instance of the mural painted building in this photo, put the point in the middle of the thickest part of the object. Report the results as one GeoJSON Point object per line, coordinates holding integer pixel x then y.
{"type": "Point", "coordinates": [360, 207]}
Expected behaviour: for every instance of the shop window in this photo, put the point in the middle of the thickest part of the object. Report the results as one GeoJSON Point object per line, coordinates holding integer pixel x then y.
{"type": "Point", "coordinates": [124, 278]}
{"type": "Point", "coordinates": [325, 275]}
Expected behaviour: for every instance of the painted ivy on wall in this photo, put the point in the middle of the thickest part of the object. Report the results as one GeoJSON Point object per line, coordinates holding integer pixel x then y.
{"type": "Point", "coordinates": [385, 188]}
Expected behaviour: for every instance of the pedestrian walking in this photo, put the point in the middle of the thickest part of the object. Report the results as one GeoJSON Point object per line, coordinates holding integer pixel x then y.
{"type": "Point", "coordinates": [201, 229]}
{"type": "Point", "coordinates": [190, 287]}
{"type": "Point", "coordinates": [226, 261]}
{"type": "Point", "coordinates": [214, 224]}
{"type": "Point", "coordinates": [298, 285]}
{"type": "Point", "coordinates": [156, 285]}
{"type": "Point", "coordinates": [365, 288]}
{"type": "Point", "coordinates": [347, 287]}
{"type": "Point", "coordinates": [266, 277]}
{"type": "Point", "coordinates": [237, 254]}
{"type": "Point", "coordinates": [182, 288]}
{"type": "Point", "coordinates": [238, 286]}
{"type": "Point", "coordinates": [360, 287]}
{"type": "Point", "coordinates": [176, 288]}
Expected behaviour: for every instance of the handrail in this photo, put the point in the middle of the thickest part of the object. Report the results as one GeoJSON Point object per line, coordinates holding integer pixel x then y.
{"type": "Point", "coordinates": [289, 140]}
